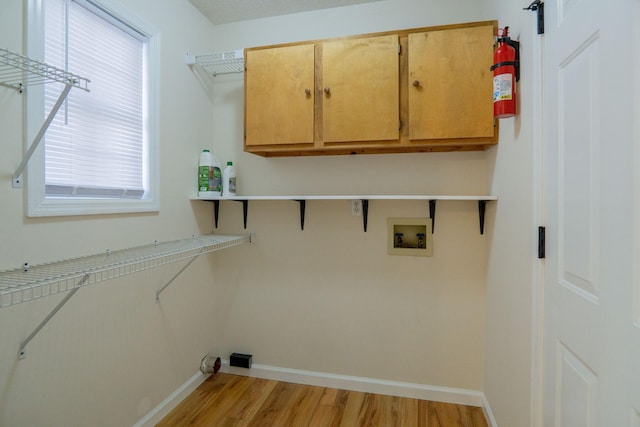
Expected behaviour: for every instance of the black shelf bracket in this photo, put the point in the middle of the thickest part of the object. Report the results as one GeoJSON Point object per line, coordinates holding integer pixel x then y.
{"type": "Point", "coordinates": [303, 205]}
{"type": "Point", "coordinates": [432, 214]}
{"type": "Point", "coordinates": [365, 213]}
{"type": "Point", "coordinates": [245, 211]}
{"type": "Point", "coordinates": [481, 208]}
{"type": "Point", "coordinates": [216, 211]}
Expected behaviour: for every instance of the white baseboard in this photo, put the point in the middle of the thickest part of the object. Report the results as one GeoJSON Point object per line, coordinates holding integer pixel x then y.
{"type": "Point", "coordinates": [488, 414]}
{"type": "Point", "coordinates": [368, 385]}
{"type": "Point", "coordinates": [159, 412]}
{"type": "Point", "coordinates": [322, 379]}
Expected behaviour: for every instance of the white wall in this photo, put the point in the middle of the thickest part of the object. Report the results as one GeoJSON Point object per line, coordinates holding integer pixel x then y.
{"type": "Point", "coordinates": [329, 298]}
{"type": "Point", "coordinates": [111, 353]}
{"type": "Point", "coordinates": [325, 299]}
{"type": "Point", "coordinates": [512, 256]}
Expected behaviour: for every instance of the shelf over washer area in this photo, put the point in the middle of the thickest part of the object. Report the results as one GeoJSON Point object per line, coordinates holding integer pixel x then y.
{"type": "Point", "coordinates": [482, 201]}
{"type": "Point", "coordinates": [218, 63]}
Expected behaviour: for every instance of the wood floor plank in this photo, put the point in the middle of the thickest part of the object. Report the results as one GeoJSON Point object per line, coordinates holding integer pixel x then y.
{"type": "Point", "coordinates": [368, 411]}
{"type": "Point", "coordinates": [226, 400]}
{"type": "Point", "coordinates": [304, 406]}
{"type": "Point", "coordinates": [329, 396]}
{"type": "Point", "coordinates": [232, 422]}
{"type": "Point", "coordinates": [423, 414]}
{"type": "Point", "coordinates": [409, 413]}
{"type": "Point", "coordinates": [216, 408]}
{"type": "Point", "coordinates": [188, 408]}
{"type": "Point", "coordinates": [373, 407]}
{"type": "Point", "coordinates": [247, 406]}
{"type": "Point", "coordinates": [444, 414]}
{"type": "Point", "coordinates": [274, 410]}
{"type": "Point", "coordinates": [331, 408]}
{"type": "Point", "coordinates": [479, 420]}
{"type": "Point", "coordinates": [464, 412]}
{"type": "Point", "coordinates": [352, 410]}
{"type": "Point", "coordinates": [394, 415]}
{"type": "Point", "coordinates": [324, 416]}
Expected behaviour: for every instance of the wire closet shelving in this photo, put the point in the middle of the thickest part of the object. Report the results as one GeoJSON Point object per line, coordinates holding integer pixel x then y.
{"type": "Point", "coordinates": [218, 63]}
{"type": "Point", "coordinates": [32, 282]}
{"type": "Point", "coordinates": [18, 71]}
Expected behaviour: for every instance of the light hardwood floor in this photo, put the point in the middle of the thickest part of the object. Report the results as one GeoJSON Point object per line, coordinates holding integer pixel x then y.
{"type": "Point", "coordinates": [233, 400]}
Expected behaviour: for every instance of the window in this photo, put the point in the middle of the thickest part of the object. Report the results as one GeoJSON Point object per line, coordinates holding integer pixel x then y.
{"type": "Point", "coordinates": [98, 154]}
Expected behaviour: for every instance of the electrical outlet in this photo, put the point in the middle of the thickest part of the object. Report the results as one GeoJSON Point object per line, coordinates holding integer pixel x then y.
{"type": "Point", "coordinates": [356, 207]}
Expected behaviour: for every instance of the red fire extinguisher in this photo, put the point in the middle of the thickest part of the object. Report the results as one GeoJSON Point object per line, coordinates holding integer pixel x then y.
{"type": "Point", "coordinates": [506, 72]}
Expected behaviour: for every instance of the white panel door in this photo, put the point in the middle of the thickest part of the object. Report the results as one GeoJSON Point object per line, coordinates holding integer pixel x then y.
{"type": "Point", "coordinates": [591, 364]}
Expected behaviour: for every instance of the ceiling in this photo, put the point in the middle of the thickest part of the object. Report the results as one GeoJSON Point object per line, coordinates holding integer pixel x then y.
{"type": "Point", "coordinates": [226, 11]}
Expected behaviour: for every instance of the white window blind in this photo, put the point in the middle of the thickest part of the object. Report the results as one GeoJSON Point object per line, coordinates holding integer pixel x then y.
{"type": "Point", "coordinates": [96, 145]}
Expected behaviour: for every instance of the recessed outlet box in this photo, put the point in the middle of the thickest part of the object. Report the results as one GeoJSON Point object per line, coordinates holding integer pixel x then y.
{"type": "Point", "coordinates": [240, 360]}
{"type": "Point", "coordinates": [410, 236]}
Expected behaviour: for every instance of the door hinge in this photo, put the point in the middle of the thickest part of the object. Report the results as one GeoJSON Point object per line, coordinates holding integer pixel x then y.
{"type": "Point", "coordinates": [399, 124]}
{"type": "Point", "coordinates": [399, 49]}
{"type": "Point", "coordinates": [541, 242]}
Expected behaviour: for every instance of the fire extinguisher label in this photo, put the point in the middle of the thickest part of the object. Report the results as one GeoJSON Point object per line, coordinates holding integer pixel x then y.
{"type": "Point", "coordinates": [502, 87]}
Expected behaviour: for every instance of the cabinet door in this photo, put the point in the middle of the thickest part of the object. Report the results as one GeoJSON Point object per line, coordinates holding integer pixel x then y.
{"type": "Point", "coordinates": [450, 84]}
{"type": "Point", "coordinates": [360, 89]}
{"type": "Point", "coordinates": [279, 95]}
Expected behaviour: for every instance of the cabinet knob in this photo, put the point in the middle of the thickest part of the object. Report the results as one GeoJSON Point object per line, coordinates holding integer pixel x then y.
{"type": "Point", "coordinates": [327, 90]}
{"type": "Point", "coordinates": [307, 91]}
{"type": "Point", "coordinates": [416, 83]}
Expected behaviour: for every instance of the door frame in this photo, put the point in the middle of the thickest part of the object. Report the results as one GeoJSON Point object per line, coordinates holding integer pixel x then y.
{"type": "Point", "coordinates": [538, 194]}
{"type": "Point", "coordinates": [635, 43]}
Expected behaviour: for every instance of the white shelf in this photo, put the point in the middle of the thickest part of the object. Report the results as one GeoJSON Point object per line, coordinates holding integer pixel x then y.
{"type": "Point", "coordinates": [218, 63]}
{"type": "Point", "coordinates": [32, 282]}
{"type": "Point", "coordinates": [481, 199]}
{"type": "Point", "coordinates": [19, 71]}
{"type": "Point", "coordinates": [352, 197]}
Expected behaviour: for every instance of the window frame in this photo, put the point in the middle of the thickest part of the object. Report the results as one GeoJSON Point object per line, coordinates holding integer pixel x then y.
{"type": "Point", "coordinates": [38, 204]}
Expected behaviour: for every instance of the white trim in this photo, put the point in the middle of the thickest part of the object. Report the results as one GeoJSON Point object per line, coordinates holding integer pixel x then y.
{"type": "Point", "coordinates": [538, 194]}
{"type": "Point", "coordinates": [488, 413]}
{"type": "Point", "coordinates": [368, 385]}
{"type": "Point", "coordinates": [37, 204]}
{"type": "Point", "coordinates": [167, 405]}
{"type": "Point", "coordinates": [636, 165]}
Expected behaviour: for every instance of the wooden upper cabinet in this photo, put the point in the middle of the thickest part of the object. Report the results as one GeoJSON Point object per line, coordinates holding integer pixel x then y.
{"type": "Point", "coordinates": [360, 89]}
{"type": "Point", "coordinates": [421, 89]}
{"type": "Point", "coordinates": [449, 83]}
{"type": "Point", "coordinates": [279, 95]}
